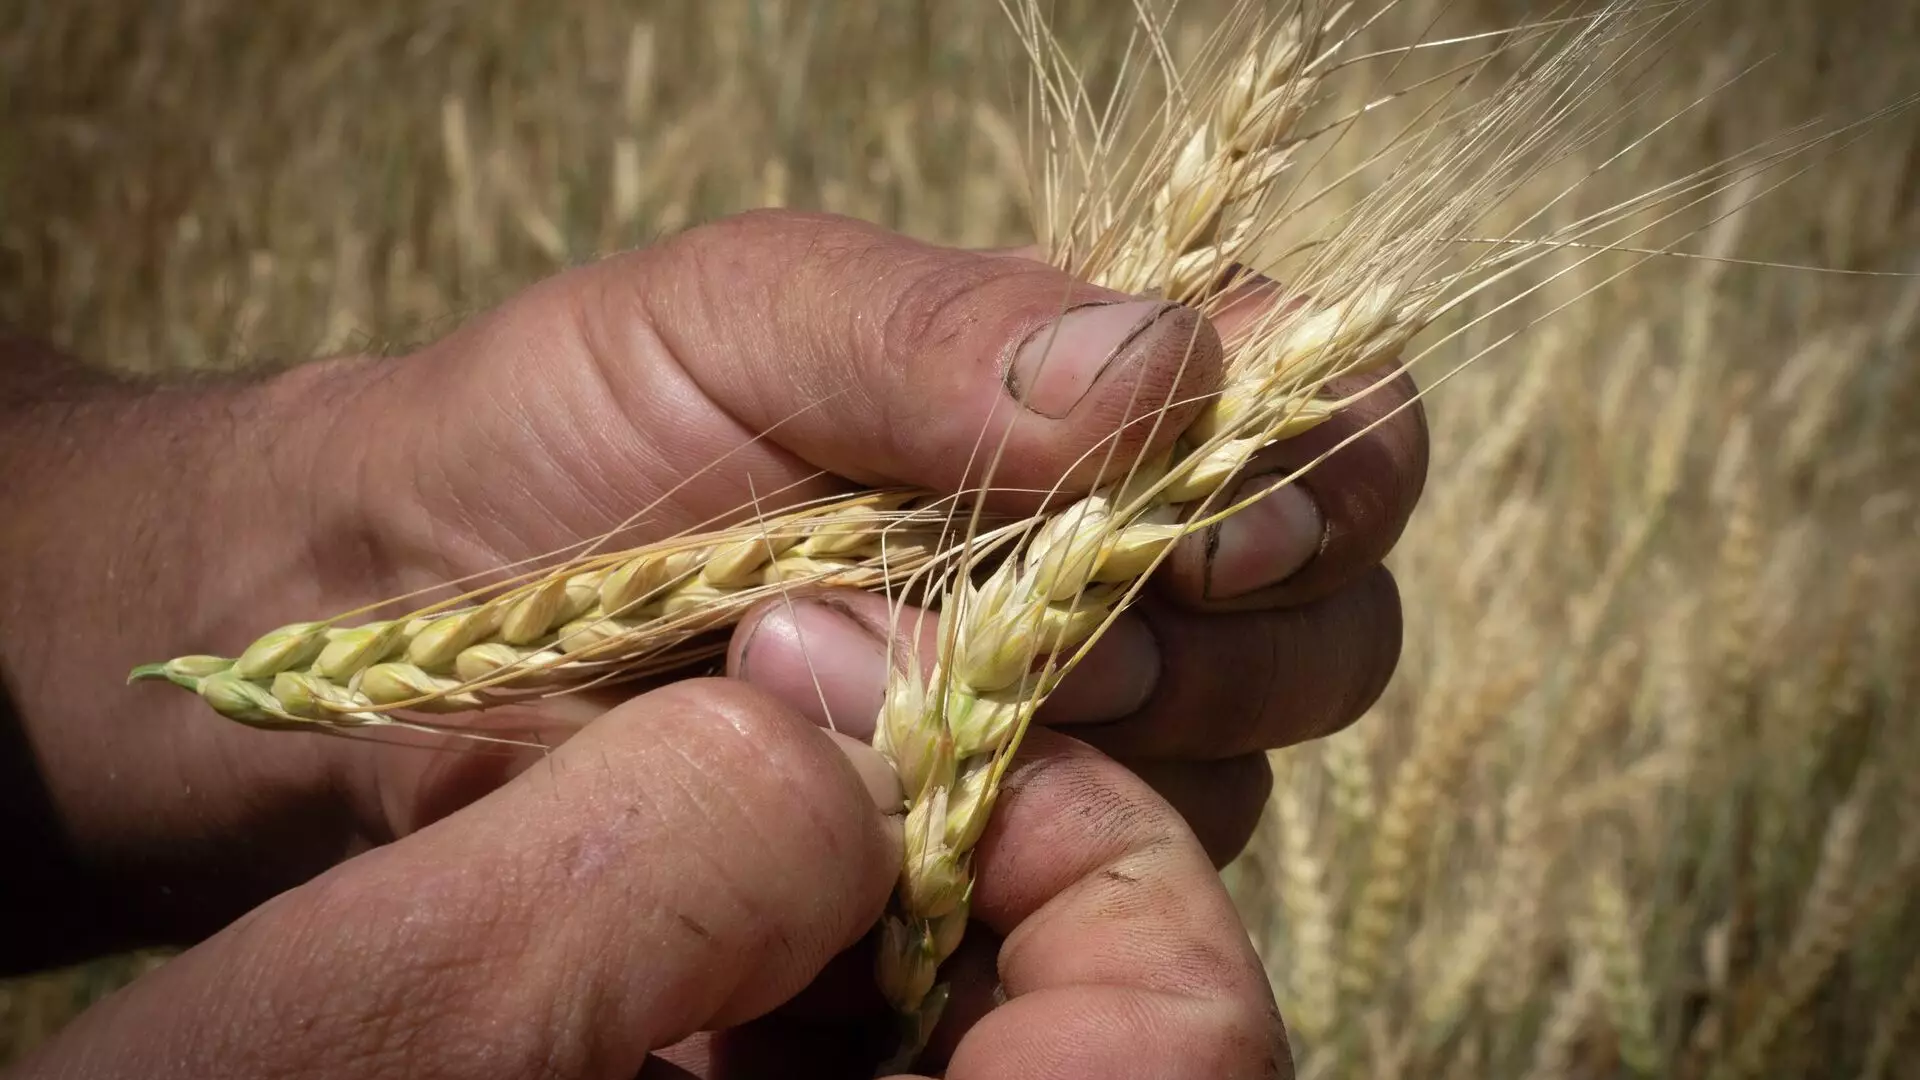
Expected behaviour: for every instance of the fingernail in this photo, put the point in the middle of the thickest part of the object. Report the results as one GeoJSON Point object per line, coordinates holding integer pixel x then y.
{"type": "Point", "coordinates": [1115, 680]}
{"type": "Point", "coordinates": [822, 661]}
{"type": "Point", "coordinates": [1056, 367]}
{"type": "Point", "coordinates": [1266, 543]}
{"type": "Point", "coordinates": [882, 783]}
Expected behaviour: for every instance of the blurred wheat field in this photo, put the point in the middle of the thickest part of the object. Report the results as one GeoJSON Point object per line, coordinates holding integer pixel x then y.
{"type": "Point", "coordinates": [1635, 804]}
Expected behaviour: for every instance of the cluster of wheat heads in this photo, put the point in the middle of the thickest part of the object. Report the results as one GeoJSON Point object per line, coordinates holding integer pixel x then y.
{"type": "Point", "coordinates": [1657, 839]}
{"type": "Point", "coordinates": [1619, 814]}
{"type": "Point", "coordinates": [1167, 185]}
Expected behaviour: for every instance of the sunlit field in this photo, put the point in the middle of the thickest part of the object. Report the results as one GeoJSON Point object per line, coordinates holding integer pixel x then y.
{"type": "Point", "coordinates": [1639, 801]}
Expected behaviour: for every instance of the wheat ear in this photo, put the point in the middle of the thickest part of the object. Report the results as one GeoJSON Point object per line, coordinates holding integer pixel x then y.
{"type": "Point", "coordinates": [951, 733]}
{"type": "Point", "coordinates": [618, 615]}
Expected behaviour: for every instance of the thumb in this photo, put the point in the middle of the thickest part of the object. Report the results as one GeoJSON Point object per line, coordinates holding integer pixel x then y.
{"type": "Point", "coordinates": [887, 360]}
{"type": "Point", "coordinates": [687, 862]}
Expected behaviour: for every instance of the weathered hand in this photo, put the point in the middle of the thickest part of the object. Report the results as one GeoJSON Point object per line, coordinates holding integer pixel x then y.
{"type": "Point", "coordinates": [814, 354]}
{"type": "Point", "coordinates": [687, 863]}
{"type": "Point", "coordinates": [881, 360]}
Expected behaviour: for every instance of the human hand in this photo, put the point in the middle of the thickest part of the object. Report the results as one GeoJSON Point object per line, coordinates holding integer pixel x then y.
{"type": "Point", "coordinates": [881, 361]}
{"type": "Point", "coordinates": [869, 357]}
{"type": "Point", "coordinates": [687, 864]}
{"type": "Point", "coordinates": [858, 353]}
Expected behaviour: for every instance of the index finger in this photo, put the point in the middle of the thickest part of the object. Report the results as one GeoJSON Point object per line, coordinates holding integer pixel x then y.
{"type": "Point", "coordinates": [1123, 955]}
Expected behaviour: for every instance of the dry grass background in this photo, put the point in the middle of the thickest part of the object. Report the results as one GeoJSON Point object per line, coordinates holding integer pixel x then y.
{"type": "Point", "coordinates": [1635, 804]}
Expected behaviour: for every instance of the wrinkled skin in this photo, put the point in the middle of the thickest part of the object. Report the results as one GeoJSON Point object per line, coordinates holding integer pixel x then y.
{"type": "Point", "coordinates": [686, 882]}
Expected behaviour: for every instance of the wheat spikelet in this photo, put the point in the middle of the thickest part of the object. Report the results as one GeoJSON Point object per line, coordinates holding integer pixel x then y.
{"type": "Point", "coordinates": [1627, 791]}
{"type": "Point", "coordinates": [1190, 230]}
{"type": "Point", "coordinates": [1311, 971]}
{"type": "Point", "coordinates": [1833, 874]}
{"type": "Point", "coordinates": [951, 731]}
{"type": "Point", "coordinates": [1601, 696]}
{"type": "Point", "coordinates": [1350, 776]}
{"type": "Point", "coordinates": [1624, 990]}
{"type": "Point", "coordinates": [1737, 603]}
{"type": "Point", "coordinates": [1680, 716]}
{"type": "Point", "coordinates": [1459, 970]}
{"type": "Point", "coordinates": [1419, 786]}
{"type": "Point", "coordinates": [1521, 872]}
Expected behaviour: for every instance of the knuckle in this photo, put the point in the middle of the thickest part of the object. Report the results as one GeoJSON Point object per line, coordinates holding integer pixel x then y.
{"type": "Point", "coordinates": [943, 298]}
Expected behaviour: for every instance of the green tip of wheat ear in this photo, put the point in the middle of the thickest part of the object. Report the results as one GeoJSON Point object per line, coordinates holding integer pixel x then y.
{"type": "Point", "coordinates": [186, 672]}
